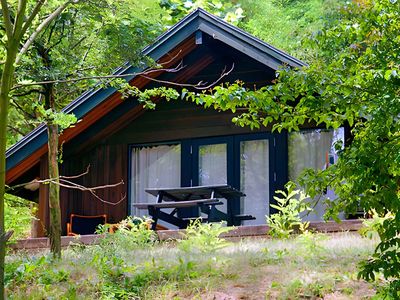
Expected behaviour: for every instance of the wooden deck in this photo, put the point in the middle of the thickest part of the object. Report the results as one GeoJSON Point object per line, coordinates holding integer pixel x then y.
{"type": "Point", "coordinates": [237, 232]}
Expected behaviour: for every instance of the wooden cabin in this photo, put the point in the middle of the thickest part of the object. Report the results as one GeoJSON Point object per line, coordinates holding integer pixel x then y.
{"type": "Point", "coordinates": [178, 143]}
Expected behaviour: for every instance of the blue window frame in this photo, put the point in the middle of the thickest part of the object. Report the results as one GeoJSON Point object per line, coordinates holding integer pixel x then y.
{"type": "Point", "coordinates": [278, 162]}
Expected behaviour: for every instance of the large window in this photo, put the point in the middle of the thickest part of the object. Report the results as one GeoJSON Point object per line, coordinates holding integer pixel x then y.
{"type": "Point", "coordinates": [153, 167]}
{"type": "Point", "coordinates": [254, 179]}
{"type": "Point", "coordinates": [245, 162]}
{"type": "Point", "coordinates": [313, 149]}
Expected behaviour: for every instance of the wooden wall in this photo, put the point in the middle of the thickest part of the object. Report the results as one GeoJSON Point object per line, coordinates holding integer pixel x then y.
{"type": "Point", "coordinates": [177, 120]}
{"type": "Point", "coordinates": [108, 158]}
{"type": "Point", "coordinates": [108, 165]}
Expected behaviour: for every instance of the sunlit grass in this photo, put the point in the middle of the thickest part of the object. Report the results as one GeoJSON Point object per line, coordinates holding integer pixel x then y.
{"type": "Point", "coordinates": [263, 268]}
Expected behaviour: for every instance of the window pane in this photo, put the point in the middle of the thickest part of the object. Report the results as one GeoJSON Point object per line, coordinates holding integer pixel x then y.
{"type": "Point", "coordinates": [212, 164]}
{"type": "Point", "coordinates": [154, 167]}
{"type": "Point", "coordinates": [213, 168]}
{"type": "Point", "coordinates": [313, 149]}
{"type": "Point", "coordinates": [254, 179]}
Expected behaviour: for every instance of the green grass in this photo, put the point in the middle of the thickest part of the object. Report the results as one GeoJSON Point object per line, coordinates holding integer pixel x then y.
{"type": "Point", "coordinates": [309, 268]}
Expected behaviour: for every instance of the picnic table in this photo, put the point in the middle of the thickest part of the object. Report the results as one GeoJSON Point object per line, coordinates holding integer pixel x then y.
{"type": "Point", "coordinates": [205, 198]}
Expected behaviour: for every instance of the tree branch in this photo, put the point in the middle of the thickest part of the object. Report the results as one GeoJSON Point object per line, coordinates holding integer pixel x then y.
{"type": "Point", "coordinates": [24, 112]}
{"type": "Point", "coordinates": [6, 19]}
{"type": "Point", "coordinates": [50, 18]}
{"type": "Point", "coordinates": [27, 93]}
{"type": "Point", "coordinates": [19, 19]}
{"type": "Point", "coordinates": [63, 182]}
{"type": "Point", "coordinates": [179, 67]}
{"type": "Point", "coordinates": [199, 86]}
{"type": "Point", "coordinates": [77, 176]}
{"type": "Point", "coordinates": [32, 16]}
{"type": "Point", "coordinates": [16, 130]}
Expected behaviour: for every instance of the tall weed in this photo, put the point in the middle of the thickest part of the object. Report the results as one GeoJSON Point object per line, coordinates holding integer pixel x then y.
{"type": "Point", "coordinates": [204, 238]}
{"type": "Point", "coordinates": [289, 208]}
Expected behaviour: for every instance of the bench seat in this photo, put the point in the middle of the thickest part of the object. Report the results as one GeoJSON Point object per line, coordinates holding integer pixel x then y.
{"type": "Point", "coordinates": [178, 204]}
{"type": "Point", "coordinates": [244, 217]}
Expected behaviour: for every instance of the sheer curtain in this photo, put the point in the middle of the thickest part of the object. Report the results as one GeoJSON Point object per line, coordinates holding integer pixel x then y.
{"type": "Point", "coordinates": [213, 167]}
{"type": "Point", "coordinates": [313, 149]}
{"type": "Point", "coordinates": [212, 164]}
{"type": "Point", "coordinates": [153, 167]}
{"type": "Point", "coordinates": [254, 179]}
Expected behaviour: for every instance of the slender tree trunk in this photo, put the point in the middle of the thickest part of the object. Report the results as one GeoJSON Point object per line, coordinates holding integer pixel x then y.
{"type": "Point", "coordinates": [6, 80]}
{"type": "Point", "coordinates": [54, 189]}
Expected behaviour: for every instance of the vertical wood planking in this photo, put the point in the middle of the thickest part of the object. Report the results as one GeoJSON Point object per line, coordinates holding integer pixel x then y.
{"type": "Point", "coordinates": [108, 165]}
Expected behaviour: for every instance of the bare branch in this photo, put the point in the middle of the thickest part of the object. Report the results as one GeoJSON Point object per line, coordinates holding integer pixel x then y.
{"type": "Point", "coordinates": [63, 182]}
{"type": "Point", "coordinates": [179, 67]}
{"type": "Point", "coordinates": [32, 16]}
{"type": "Point", "coordinates": [199, 86]}
{"type": "Point", "coordinates": [92, 190]}
{"type": "Point", "coordinates": [101, 187]}
{"type": "Point", "coordinates": [6, 19]}
{"type": "Point", "coordinates": [77, 176]}
{"type": "Point", "coordinates": [171, 59]}
{"type": "Point", "coordinates": [43, 25]}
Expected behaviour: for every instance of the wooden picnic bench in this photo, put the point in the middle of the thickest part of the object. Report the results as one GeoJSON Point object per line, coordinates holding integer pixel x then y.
{"type": "Point", "coordinates": [156, 213]}
{"type": "Point", "coordinates": [205, 198]}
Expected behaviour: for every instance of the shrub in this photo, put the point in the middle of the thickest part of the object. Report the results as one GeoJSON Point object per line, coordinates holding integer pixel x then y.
{"type": "Point", "coordinates": [204, 238]}
{"type": "Point", "coordinates": [289, 208]}
{"type": "Point", "coordinates": [130, 233]}
{"type": "Point", "coordinates": [18, 216]}
{"type": "Point", "coordinates": [373, 227]}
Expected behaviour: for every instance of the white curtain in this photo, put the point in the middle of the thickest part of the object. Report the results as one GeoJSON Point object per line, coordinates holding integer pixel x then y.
{"type": "Point", "coordinates": [254, 179]}
{"type": "Point", "coordinates": [154, 167]}
{"type": "Point", "coordinates": [212, 164]}
{"type": "Point", "coordinates": [313, 149]}
{"type": "Point", "coordinates": [213, 167]}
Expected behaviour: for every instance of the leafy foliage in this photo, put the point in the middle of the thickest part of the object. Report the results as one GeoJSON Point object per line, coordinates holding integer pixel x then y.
{"type": "Point", "coordinates": [18, 216]}
{"type": "Point", "coordinates": [374, 225]}
{"type": "Point", "coordinates": [131, 233]}
{"type": "Point", "coordinates": [203, 237]}
{"type": "Point", "coordinates": [289, 208]}
{"type": "Point", "coordinates": [284, 23]}
{"type": "Point", "coordinates": [354, 81]}
{"type": "Point", "coordinates": [176, 9]}
{"type": "Point", "coordinates": [78, 44]}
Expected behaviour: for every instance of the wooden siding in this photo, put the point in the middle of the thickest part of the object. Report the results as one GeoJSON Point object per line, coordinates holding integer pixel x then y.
{"type": "Point", "coordinates": [108, 165]}
{"type": "Point", "coordinates": [177, 120]}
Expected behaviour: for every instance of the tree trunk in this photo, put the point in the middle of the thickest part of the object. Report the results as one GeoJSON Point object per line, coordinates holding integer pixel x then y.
{"type": "Point", "coordinates": [54, 188]}
{"type": "Point", "coordinates": [5, 86]}
{"type": "Point", "coordinates": [54, 192]}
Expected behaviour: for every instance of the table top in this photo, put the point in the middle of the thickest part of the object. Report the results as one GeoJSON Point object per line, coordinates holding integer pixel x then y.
{"type": "Point", "coordinates": [196, 192]}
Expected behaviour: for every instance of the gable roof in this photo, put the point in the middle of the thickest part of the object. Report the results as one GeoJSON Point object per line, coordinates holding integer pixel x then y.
{"type": "Point", "coordinates": [197, 21]}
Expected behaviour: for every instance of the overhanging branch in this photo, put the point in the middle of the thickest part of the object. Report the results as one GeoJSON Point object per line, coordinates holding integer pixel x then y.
{"type": "Point", "coordinates": [42, 25]}
{"type": "Point", "coordinates": [63, 181]}
{"type": "Point", "coordinates": [179, 67]}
